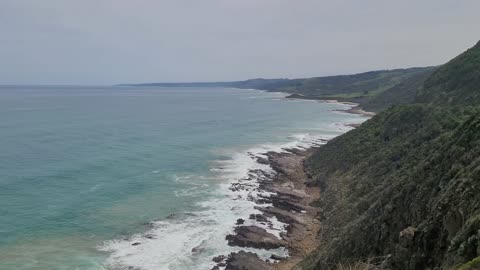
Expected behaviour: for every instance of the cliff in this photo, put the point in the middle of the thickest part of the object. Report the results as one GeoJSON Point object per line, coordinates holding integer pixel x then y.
{"type": "Point", "coordinates": [404, 188]}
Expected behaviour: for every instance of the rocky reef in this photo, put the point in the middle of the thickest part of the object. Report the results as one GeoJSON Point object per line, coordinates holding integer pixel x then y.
{"type": "Point", "coordinates": [288, 202]}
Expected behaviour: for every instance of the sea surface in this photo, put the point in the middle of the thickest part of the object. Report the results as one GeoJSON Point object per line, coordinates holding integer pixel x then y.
{"type": "Point", "coordinates": [88, 172]}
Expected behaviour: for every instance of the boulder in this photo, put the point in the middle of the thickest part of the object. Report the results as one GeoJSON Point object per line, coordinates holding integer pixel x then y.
{"type": "Point", "coordinates": [256, 237]}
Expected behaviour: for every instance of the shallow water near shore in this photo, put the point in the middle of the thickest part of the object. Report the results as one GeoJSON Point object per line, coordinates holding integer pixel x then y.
{"type": "Point", "coordinates": [112, 177]}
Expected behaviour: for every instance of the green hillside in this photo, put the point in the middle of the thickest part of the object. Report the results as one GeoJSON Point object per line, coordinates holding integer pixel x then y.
{"type": "Point", "coordinates": [404, 188]}
{"type": "Point", "coordinates": [456, 83]}
{"type": "Point", "coordinates": [374, 90]}
{"type": "Point", "coordinates": [361, 84]}
{"type": "Point", "coordinates": [401, 93]}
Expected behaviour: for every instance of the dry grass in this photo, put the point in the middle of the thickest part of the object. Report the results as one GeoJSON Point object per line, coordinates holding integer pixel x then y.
{"type": "Point", "coordinates": [368, 265]}
{"type": "Point", "coordinates": [357, 266]}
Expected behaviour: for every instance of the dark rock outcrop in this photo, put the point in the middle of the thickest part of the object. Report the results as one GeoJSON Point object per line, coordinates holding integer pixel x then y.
{"type": "Point", "coordinates": [245, 261]}
{"type": "Point", "coordinates": [258, 217]}
{"type": "Point", "coordinates": [252, 236]}
{"type": "Point", "coordinates": [219, 258]}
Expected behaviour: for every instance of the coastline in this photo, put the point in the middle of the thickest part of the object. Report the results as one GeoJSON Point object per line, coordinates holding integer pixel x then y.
{"type": "Point", "coordinates": [289, 203]}
{"type": "Point", "coordinates": [355, 108]}
{"type": "Point", "coordinates": [293, 193]}
{"type": "Point", "coordinates": [264, 213]}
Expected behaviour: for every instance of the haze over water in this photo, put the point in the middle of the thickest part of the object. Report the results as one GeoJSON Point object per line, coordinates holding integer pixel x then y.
{"type": "Point", "coordinates": [82, 166]}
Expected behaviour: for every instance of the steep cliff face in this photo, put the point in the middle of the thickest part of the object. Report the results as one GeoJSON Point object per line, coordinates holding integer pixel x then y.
{"type": "Point", "coordinates": [404, 188]}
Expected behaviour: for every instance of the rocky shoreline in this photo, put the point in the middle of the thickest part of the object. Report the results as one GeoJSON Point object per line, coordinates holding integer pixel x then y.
{"type": "Point", "coordinates": [358, 110]}
{"type": "Point", "coordinates": [354, 109]}
{"type": "Point", "coordinates": [289, 202]}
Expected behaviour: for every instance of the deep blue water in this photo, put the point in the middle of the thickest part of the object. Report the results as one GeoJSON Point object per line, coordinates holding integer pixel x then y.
{"type": "Point", "coordinates": [80, 166]}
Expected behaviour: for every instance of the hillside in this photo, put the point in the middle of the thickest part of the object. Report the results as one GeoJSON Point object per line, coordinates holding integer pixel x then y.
{"type": "Point", "coordinates": [374, 90]}
{"type": "Point", "coordinates": [402, 93]}
{"type": "Point", "coordinates": [349, 86]}
{"type": "Point", "coordinates": [404, 187]}
{"type": "Point", "coordinates": [456, 83]}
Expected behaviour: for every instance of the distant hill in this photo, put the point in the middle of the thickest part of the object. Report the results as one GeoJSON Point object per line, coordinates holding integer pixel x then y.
{"type": "Point", "coordinates": [349, 86]}
{"type": "Point", "coordinates": [403, 92]}
{"type": "Point", "coordinates": [247, 84]}
{"type": "Point", "coordinates": [374, 90]}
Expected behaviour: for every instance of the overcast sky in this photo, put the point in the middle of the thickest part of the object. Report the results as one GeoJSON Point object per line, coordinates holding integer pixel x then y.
{"type": "Point", "coordinates": [123, 41]}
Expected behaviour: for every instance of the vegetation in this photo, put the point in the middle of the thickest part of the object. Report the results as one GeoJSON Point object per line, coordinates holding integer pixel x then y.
{"type": "Point", "coordinates": [402, 93]}
{"type": "Point", "coordinates": [374, 90]}
{"type": "Point", "coordinates": [360, 84]}
{"type": "Point", "coordinates": [456, 83]}
{"type": "Point", "coordinates": [368, 265]}
{"type": "Point", "coordinates": [405, 185]}
{"type": "Point", "coordinates": [471, 265]}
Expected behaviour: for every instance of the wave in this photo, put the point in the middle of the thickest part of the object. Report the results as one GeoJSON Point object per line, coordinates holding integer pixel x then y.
{"type": "Point", "coordinates": [191, 240]}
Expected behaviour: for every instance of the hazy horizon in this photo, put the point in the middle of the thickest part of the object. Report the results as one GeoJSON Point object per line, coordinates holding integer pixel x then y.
{"type": "Point", "coordinates": [180, 82]}
{"type": "Point", "coordinates": [111, 42]}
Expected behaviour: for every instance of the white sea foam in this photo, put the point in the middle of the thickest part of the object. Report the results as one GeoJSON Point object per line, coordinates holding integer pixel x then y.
{"type": "Point", "coordinates": [191, 240]}
{"type": "Point", "coordinates": [95, 187]}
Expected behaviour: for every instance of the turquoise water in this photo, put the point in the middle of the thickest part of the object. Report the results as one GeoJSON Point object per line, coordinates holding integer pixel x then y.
{"type": "Point", "coordinates": [85, 169]}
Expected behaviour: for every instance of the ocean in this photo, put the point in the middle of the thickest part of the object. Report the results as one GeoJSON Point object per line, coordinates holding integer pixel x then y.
{"type": "Point", "coordinates": [137, 178]}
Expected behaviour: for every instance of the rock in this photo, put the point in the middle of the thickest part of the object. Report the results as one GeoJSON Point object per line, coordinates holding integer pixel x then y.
{"type": "Point", "coordinates": [295, 151]}
{"type": "Point", "coordinates": [311, 183]}
{"type": "Point", "coordinates": [406, 236]}
{"type": "Point", "coordinates": [276, 257]}
{"type": "Point", "coordinates": [252, 236]}
{"type": "Point", "coordinates": [197, 249]}
{"type": "Point", "coordinates": [262, 200]}
{"type": "Point", "coordinates": [219, 258]}
{"type": "Point", "coordinates": [453, 222]}
{"type": "Point", "coordinates": [286, 205]}
{"type": "Point", "coordinates": [282, 215]}
{"type": "Point", "coordinates": [136, 244]}
{"type": "Point", "coordinates": [246, 260]}
{"type": "Point", "coordinates": [258, 217]}
{"type": "Point", "coordinates": [240, 221]}
{"type": "Point", "coordinates": [263, 161]}
{"type": "Point", "coordinates": [149, 236]}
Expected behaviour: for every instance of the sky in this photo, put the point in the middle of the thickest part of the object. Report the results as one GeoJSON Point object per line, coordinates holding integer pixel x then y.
{"type": "Point", "coordinates": [103, 42]}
